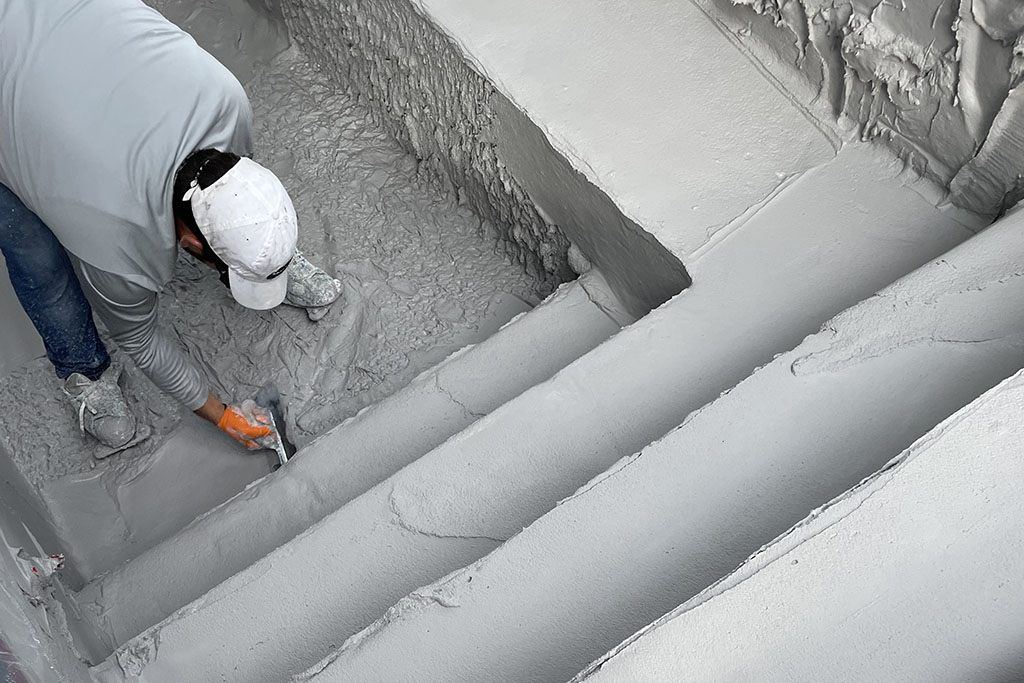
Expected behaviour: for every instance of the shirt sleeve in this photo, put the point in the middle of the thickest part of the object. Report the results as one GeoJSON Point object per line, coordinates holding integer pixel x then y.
{"type": "Point", "coordinates": [241, 133]}
{"type": "Point", "coordinates": [129, 312]}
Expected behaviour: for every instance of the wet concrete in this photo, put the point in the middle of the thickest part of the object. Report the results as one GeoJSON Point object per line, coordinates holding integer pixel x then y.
{"type": "Point", "coordinates": [423, 276]}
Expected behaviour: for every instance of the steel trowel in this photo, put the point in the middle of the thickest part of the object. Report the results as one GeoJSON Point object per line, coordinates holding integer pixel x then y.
{"type": "Point", "coordinates": [269, 398]}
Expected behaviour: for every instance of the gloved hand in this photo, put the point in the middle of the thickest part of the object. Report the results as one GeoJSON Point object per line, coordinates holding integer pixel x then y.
{"type": "Point", "coordinates": [249, 424]}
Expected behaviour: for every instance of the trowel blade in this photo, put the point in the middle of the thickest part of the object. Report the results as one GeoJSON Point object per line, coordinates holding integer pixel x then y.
{"type": "Point", "coordinates": [269, 397]}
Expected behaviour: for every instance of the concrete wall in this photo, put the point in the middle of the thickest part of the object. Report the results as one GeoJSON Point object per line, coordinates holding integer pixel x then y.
{"type": "Point", "coordinates": [19, 342]}
{"type": "Point", "coordinates": [23, 510]}
{"type": "Point", "coordinates": [24, 504]}
{"type": "Point", "coordinates": [35, 637]}
{"type": "Point", "coordinates": [33, 633]}
{"type": "Point", "coordinates": [936, 80]}
{"type": "Point", "coordinates": [930, 77]}
{"type": "Point", "coordinates": [20, 504]}
{"type": "Point", "coordinates": [547, 119]}
{"type": "Point", "coordinates": [468, 133]}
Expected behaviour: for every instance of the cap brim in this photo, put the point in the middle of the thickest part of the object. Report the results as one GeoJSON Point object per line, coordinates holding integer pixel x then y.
{"type": "Point", "coordinates": [259, 296]}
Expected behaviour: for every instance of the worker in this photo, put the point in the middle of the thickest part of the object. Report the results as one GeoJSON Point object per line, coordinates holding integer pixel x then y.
{"type": "Point", "coordinates": [122, 140]}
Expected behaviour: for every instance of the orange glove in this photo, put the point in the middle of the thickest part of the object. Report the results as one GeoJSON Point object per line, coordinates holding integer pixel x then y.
{"type": "Point", "coordinates": [245, 424]}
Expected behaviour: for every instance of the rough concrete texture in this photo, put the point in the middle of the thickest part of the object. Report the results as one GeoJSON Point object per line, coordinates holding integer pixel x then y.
{"type": "Point", "coordinates": [470, 134]}
{"type": "Point", "coordinates": [430, 100]}
{"type": "Point", "coordinates": [35, 645]}
{"type": "Point", "coordinates": [911, 576]}
{"type": "Point", "coordinates": [420, 282]}
{"type": "Point", "coordinates": [348, 461]}
{"type": "Point", "coordinates": [993, 178]}
{"type": "Point", "coordinates": [509, 468]}
{"type": "Point", "coordinates": [420, 279]}
{"type": "Point", "coordinates": [20, 503]}
{"type": "Point", "coordinates": [931, 78]}
{"type": "Point", "coordinates": [663, 525]}
{"type": "Point", "coordinates": [928, 77]}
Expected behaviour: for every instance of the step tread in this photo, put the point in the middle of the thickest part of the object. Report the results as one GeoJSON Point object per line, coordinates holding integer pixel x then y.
{"type": "Point", "coordinates": [347, 461]}
{"type": "Point", "coordinates": [663, 525]}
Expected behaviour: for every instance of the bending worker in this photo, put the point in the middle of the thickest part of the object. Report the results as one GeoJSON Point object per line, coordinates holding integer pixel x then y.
{"type": "Point", "coordinates": [121, 140]}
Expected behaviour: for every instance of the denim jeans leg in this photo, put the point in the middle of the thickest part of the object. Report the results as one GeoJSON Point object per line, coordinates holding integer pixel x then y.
{"type": "Point", "coordinates": [46, 285]}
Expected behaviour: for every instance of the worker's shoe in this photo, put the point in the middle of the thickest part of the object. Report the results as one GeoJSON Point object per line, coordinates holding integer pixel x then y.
{"type": "Point", "coordinates": [102, 409]}
{"type": "Point", "coordinates": [310, 287]}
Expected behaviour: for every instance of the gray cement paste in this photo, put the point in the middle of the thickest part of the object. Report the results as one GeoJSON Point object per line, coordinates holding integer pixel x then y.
{"type": "Point", "coordinates": [421, 278]}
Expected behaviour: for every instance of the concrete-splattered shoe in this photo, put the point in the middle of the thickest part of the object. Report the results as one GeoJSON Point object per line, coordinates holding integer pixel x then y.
{"type": "Point", "coordinates": [310, 287]}
{"type": "Point", "coordinates": [102, 409]}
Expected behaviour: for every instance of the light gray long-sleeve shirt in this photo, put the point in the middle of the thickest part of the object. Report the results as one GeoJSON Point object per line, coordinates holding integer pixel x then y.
{"type": "Point", "coordinates": [100, 102]}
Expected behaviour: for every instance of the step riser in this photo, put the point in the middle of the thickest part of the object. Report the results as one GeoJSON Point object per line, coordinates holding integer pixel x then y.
{"type": "Point", "coordinates": [348, 461]}
{"type": "Point", "coordinates": [668, 523]}
{"type": "Point", "coordinates": [511, 467]}
{"type": "Point", "coordinates": [924, 563]}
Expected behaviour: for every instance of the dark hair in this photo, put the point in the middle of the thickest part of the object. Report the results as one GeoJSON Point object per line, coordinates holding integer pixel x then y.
{"type": "Point", "coordinates": [205, 167]}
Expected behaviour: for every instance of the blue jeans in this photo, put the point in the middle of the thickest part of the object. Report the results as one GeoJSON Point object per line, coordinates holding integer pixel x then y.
{"type": "Point", "coordinates": [48, 290]}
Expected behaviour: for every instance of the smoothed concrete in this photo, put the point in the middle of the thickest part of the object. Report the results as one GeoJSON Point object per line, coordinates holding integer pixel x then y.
{"type": "Point", "coordinates": [507, 469]}
{"type": "Point", "coordinates": [18, 338]}
{"type": "Point", "coordinates": [663, 525]}
{"type": "Point", "coordinates": [109, 515]}
{"type": "Point", "coordinates": [912, 576]}
{"type": "Point", "coordinates": [647, 102]}
{"type": "Point", "coordinates": [293, 607]}
{"type": "Point", "coordinates": [351, 459]}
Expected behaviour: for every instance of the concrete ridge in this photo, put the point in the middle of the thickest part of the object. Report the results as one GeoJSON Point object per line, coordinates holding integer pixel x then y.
{"type": "Point", "coordinates": [697, 503]}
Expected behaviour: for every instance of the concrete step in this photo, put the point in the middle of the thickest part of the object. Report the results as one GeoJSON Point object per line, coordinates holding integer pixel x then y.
{"type": "Point", "coordinates": [662, 526]}
{"type": "Point", "coordinates": [351, 459]}
{"type": "Point", "coordinates": [919, 566]}
{"type": "Point", "coordinates": [485, 484]}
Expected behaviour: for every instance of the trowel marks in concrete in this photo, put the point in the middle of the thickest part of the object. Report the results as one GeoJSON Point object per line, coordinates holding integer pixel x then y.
{"type": "Point", "coordinates": [934, 79]}
{"type": "Point", "coordinates": [420, 281]}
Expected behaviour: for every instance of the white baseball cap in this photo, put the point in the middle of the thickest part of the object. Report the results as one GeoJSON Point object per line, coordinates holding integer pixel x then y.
{"type": "Point", "coordinates": [247, 217]}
